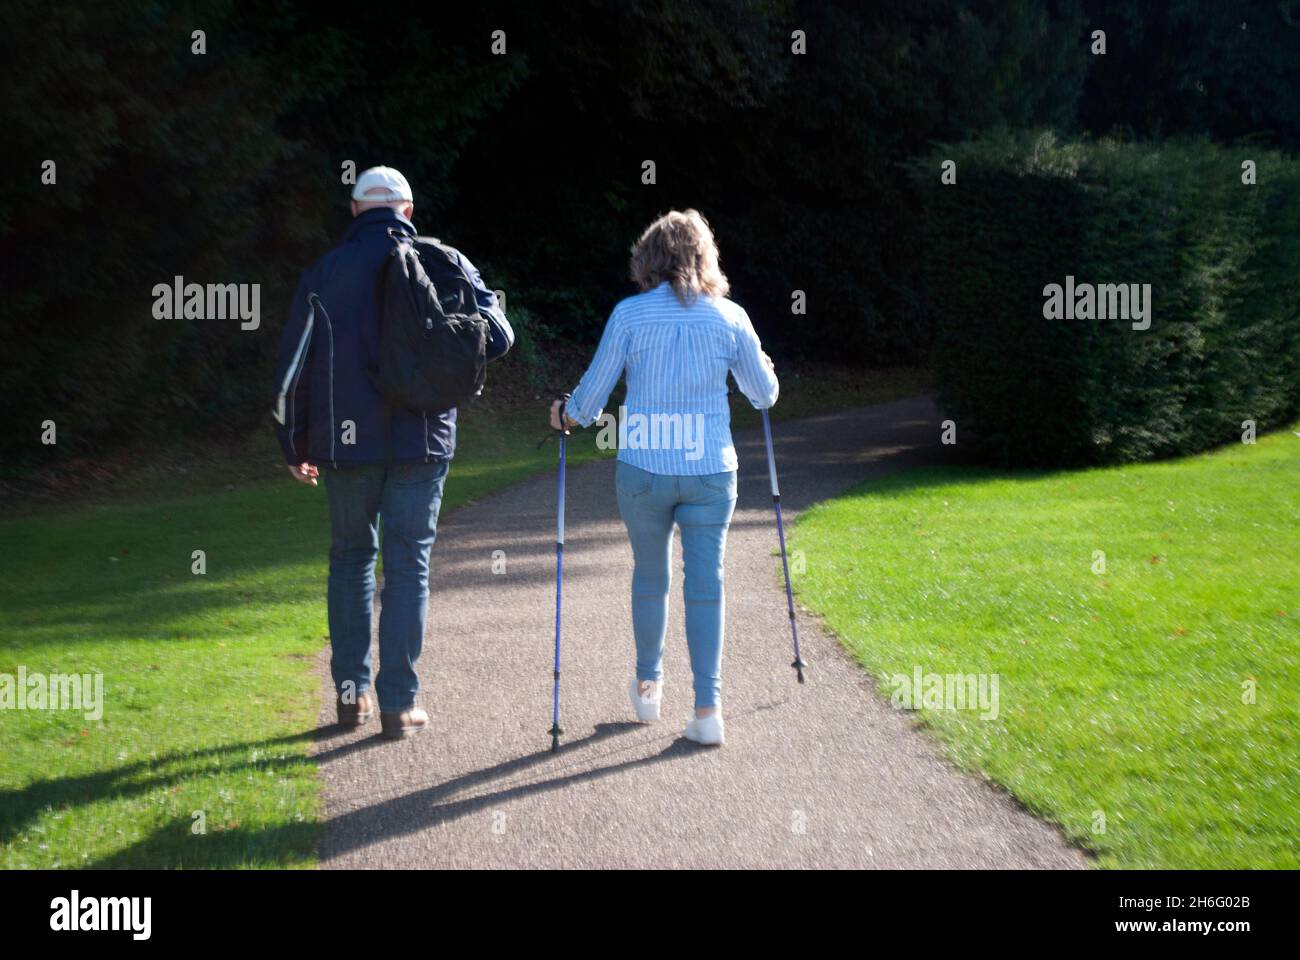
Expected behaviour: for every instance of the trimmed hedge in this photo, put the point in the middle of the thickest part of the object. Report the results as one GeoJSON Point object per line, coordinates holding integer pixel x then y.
{"type": "Point", "coordinates": [1222, 259]}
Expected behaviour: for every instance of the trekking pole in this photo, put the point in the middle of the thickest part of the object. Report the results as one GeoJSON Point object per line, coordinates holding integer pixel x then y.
{"type": "Point", "coordinates": [562, 434]}
{"type": "Point", "coordinates": [799, 663]}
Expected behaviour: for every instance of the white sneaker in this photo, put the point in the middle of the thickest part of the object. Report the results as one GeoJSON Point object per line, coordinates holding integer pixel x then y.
{"type": "Point", "coordinates": [706, 730]}
{"type": "Point", "coordinates": [646, 706]}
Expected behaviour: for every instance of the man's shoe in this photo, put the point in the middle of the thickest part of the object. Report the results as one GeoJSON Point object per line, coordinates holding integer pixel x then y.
{"type": "Point", "coordinates": [352, 715]}
{"type": "Point", "coordinates": [399, 725]}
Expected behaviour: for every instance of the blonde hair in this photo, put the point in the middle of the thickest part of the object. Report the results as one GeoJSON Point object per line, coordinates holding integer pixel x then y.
{"type": "Point", "coordinates": [679, 247]}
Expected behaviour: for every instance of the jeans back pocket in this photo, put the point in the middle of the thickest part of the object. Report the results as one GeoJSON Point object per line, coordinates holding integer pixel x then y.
{"type": "Point", "coordinates": [632, 481]}
{"type": "Point", "coordinates": [724, 483]}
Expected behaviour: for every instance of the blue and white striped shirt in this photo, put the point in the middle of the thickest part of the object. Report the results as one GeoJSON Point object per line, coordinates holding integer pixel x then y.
{"type": "Point", "coordinates": [676, 419]}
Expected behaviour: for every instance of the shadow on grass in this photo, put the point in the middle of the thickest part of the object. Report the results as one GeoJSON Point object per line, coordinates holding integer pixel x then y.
{"type": "Point", "coordinates": [174, 845]}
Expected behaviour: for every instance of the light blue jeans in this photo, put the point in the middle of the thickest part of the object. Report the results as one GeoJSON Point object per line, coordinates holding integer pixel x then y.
{"type": "Point", "coordinates": [701, 507]}
{"type": "Point", "coordinates": [407, 498]}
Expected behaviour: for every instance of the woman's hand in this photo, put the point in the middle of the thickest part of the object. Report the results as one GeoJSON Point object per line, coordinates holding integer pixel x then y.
{"type": "Point", "coordinates": [555, 417]}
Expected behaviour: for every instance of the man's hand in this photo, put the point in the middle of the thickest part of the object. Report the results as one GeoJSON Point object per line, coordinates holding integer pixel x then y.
{"type": "Point", "coordinates": [555, 417]}
{"type": "Point", "coordinates": [304, 473]}
{"type": "Point", "coordinates": [767, 362]}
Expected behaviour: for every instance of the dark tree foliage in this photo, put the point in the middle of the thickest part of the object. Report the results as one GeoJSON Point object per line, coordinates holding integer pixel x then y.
{"type": "Point", "coordinates": [794, 159]}
{"type": "Point", "coordinates": [167, 164]}
{"type": "Point", "coordinates": [1226, 70]}
{"type": "Point", "coordinates": [225, 167]}
{"type": "Point", "coordinates": [220, 168]}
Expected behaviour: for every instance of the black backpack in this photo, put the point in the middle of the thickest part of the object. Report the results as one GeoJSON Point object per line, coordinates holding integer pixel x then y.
{"type": "Point", "coordinates": [432, 339]}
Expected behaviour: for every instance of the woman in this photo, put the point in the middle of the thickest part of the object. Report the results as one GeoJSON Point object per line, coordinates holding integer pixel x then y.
{"type": "Point", "coordinates": [677, 340]}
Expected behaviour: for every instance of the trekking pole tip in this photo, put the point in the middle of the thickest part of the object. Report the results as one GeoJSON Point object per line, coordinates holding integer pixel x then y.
{"type": "Point", "coordinates": [798, 665]}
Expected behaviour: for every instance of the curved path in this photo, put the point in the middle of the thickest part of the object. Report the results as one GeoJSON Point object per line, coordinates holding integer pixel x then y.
{"type": "Point", "coordinates": [823, 775]}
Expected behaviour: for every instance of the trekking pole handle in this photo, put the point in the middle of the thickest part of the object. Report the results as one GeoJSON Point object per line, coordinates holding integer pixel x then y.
{"type": "Point", "coordinates": [563, 431]}
{"type": "Point", "coordinates": [564, 406]}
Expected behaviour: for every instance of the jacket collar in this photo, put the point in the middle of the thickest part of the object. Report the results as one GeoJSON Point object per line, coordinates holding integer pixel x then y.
{"type": "Point", "coordinates": [379, 216]}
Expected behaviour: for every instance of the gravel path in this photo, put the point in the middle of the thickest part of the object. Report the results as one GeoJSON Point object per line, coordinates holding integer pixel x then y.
{"type": "Point", "coordinates": [823, 775]}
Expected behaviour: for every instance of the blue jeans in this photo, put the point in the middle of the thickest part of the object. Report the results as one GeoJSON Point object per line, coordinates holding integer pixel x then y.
{"type": "Point", "coordinates": [407, 497]}
{"type": "Point", "coordinates": [650, 504]}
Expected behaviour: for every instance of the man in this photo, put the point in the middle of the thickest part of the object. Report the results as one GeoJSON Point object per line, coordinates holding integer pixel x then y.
{"type": "Point", "coordinates": [330, 421]}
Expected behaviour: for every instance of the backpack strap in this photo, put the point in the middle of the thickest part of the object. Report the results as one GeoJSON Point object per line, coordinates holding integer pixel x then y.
{"type": "Point", "coordinates": [397, 236]}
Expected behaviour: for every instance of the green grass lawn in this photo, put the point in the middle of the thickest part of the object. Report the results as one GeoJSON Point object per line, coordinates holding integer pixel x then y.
{"type": "Point", "coordinates": [211, 696]}
{"type": "Point", "coordinates": [1122, 694]}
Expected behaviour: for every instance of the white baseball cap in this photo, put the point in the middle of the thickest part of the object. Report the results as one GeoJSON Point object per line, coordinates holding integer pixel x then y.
{"type": "Point", "coordinates": [393, 183]}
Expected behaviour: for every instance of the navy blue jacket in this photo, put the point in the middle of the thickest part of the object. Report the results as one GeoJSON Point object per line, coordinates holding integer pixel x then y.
{"type": "Point", "coordinates": [327, 410]}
